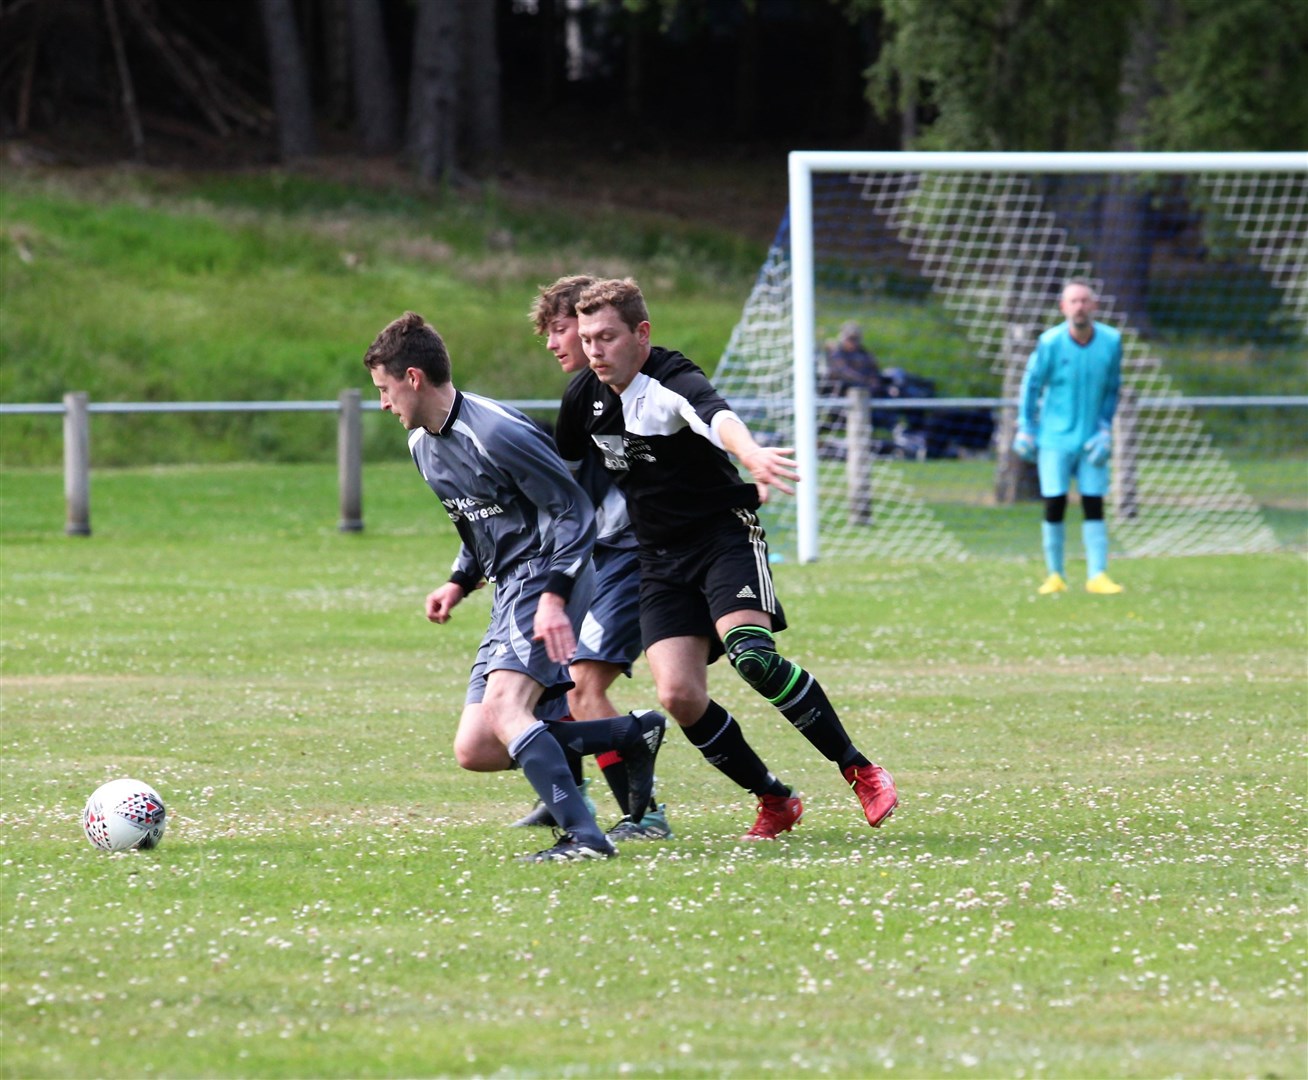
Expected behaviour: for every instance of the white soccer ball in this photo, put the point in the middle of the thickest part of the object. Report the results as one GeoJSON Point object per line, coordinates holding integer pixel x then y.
{"type": "Point", "coordinates": [124, 814]}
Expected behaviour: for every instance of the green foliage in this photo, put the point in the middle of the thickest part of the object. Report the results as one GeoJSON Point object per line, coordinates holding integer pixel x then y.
{"type": "Point", "coordinates": [1002, 75]}
{"type": "Point", "coordinates": [1233, 77]}
{"type": "Point", "coordinates": [1036, 75]}
{"type": "Point", "coordinates": [1096, 869]}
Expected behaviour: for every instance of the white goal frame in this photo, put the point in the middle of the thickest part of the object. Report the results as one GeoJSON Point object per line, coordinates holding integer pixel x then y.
{"type": "Point", "coordinates": [804, 163]}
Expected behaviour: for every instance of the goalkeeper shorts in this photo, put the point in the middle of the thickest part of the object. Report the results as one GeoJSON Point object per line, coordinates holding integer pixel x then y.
{"type": "Point", "coordinates": [1057, 467]}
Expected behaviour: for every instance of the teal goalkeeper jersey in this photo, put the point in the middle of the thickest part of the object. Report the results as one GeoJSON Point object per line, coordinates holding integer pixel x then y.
{"type": "Point", "coordinates": [1069, 390]}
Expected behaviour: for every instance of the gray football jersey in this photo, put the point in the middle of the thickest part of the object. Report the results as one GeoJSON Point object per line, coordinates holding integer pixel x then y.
{"type": "Point", "coordinates": [509, 494]}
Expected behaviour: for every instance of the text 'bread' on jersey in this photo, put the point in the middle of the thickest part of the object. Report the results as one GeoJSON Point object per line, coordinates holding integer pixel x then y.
{"type": "Point", "coordinates": [465, 509]}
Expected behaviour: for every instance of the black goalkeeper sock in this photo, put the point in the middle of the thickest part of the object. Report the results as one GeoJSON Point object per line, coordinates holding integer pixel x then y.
{"type": "Point", "coordinates": [718, 737]}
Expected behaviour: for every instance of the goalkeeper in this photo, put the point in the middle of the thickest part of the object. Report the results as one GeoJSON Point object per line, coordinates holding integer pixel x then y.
{"type": "Point", "coordinates": [1065, 424]}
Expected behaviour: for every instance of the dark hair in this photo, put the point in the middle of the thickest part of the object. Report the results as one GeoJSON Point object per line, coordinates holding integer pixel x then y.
{"type": "Point", "coordinates": [1081, 282]}
{"type": "Point", "coordinates": [410, 342]}
{"type": "Point", "coordinates": [623, 296]}
{"type": "Point", "coordinates": [558, 301]}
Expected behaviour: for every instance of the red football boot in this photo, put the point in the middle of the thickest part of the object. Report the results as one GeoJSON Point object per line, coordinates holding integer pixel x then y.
{"type": "Point", "coordinates": [875, 789]}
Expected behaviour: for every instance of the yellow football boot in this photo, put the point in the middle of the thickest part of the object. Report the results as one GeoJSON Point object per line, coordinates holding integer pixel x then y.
{"type": "Point", "coordinates": [1054, 583]}
{"type": "Point", "coordinates": [1103, 585]}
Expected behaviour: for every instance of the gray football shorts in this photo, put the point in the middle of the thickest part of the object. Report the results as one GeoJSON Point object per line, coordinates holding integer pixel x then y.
{"type": "Point", "coordinates": [610, 632]}
{"type": "Point", "coordinates": [508, 644]}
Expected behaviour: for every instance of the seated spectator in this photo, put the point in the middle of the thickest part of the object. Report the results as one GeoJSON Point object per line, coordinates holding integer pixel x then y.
{"type": "Point", "coordinates": [850, 364]}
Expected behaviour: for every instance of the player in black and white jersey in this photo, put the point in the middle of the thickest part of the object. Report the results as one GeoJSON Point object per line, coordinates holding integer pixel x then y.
{"type": "Point", "coordinates": [525, 525]}
{"type": "Point", "coordinates": [706, 587]}
{"type": "Point", "coordinates": [609, 639]}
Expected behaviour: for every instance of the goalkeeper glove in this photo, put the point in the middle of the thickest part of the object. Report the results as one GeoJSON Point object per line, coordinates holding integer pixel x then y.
{"type": "Point", "coordinates": [1024, 445]}
{"type": "Point", "coordinates": [1099, 446]}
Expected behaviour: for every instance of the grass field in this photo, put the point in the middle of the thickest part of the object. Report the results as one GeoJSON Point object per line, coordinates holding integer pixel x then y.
{"type": "Point", "coordinates": [1098, 867]}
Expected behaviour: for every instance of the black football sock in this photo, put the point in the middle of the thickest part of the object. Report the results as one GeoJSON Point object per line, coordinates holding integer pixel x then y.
{"type": "Point", "coordinates": [574, 758]}
{"type": "Point", "coordinates": [545, 766]}
{"type": "Point", "coordinates": [799, 697]}
{"type": "Point", "coordinates": [718, 737]}
{"type": "Point", "coordinates": [585, 737]}
{"type": "Point", "coordinates": [813, 717]}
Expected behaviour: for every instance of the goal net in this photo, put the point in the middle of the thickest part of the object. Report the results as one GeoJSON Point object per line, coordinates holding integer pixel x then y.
{"type": "Point", "coordinates": [951, 265]}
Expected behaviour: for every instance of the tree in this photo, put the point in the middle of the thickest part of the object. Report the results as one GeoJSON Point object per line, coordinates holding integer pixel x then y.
{"type": "Point", "coordinates": [1001, 74]}
{"type": "Point", "coordinates": [377, 110]}
{"type": "Point", "coordinates": [1032, 75]}
{"type": "Point", "coordinates": [433, 90]}
{"type": "Point", "coordinates": [481, 84]}
{"type": "Point", "coordinates": [1233, 77]}
{"type": "Point", "coordinates": [290, 80]}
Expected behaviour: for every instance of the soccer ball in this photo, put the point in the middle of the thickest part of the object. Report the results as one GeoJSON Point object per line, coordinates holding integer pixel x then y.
{"type": "Point", "coordinates": [124, 814]}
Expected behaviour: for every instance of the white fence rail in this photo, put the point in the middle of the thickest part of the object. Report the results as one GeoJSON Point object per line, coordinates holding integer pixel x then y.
{"type": "Point", "coordinates": [77, 408]}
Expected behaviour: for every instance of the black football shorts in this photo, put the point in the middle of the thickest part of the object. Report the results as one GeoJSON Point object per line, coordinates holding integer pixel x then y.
{"type": "Point", "coordinates": [686, 588]}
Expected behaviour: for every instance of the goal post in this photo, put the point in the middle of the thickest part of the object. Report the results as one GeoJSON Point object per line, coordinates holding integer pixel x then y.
{"type": "Point", "coordinates": [982, 243]}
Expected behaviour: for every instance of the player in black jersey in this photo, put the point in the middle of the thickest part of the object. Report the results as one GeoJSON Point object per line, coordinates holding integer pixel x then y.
{"type": "Point", "coordinates": [706, 587]}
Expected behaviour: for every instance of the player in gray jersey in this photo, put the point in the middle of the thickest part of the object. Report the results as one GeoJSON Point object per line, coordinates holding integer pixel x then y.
{"type": "Point", "coordinates": [609, 639]}
{"type": "Point", "coordinates": [525, 525]}
{"type": "Point", "coordinates": [706, 587]}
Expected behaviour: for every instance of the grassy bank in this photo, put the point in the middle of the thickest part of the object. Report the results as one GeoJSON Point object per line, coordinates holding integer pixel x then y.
{"type": "Point", "coordinates": [145, 287]}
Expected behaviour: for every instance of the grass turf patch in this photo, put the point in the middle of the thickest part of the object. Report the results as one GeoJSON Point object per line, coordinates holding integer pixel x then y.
{"type": "Point", "coordinates": [1097, 867]}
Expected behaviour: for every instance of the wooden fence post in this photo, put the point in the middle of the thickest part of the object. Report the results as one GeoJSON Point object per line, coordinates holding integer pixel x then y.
{"type": "Point", "coordinates": [77, 464]}
{"type": "Point", "coordinates": [858, 456]}
{"type": "Point", "coordinates": [349, 460]}
{"type": "Point", "coordinates": [1126, 480]}
{"type": "Point", "coordinates": [1015, 480]}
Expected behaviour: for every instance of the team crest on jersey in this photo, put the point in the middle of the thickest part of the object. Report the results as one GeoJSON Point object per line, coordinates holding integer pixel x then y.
{"type": "Point", "coordinates": [597, 407]}
{"type": "Point", "coordinates": [614, 450]}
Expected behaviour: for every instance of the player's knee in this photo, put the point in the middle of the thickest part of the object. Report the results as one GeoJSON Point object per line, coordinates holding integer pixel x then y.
{"type": "Point", "coordinates": [684, 704]}
{"type": "Point", "coordinates": [753, 653]}
{"type": "Point", "coordinates": [485, 732]}
{"type": "Point", "coordinates": [1093, 507]}
{"type": "Point", "coordinates": [1055, 508]}
{"type": "Point", "coordinates": [474, 755]}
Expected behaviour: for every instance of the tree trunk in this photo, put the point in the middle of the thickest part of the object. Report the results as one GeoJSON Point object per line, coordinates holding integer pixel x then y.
{"type": "Point", "coordinates": [433, 90]}
{"type": "Point", "coordinates": [377, 112]}
{"type": "Point", "coordinates": [290, 81]}
{"type": "Point", "coordinates": [481, 85]}
{"type": "Point", "coordinates": [633, 64]}
{"type": "Point", "coordinates": [552, 53]}
{"type": "Point", "coordinates": [1125, 242]}
{"type": "Point", "coordinates": [336, 49]}
{"type": "Point", "coordinates": [130, 111]}
{"type": "Point", "coordinates": [747, 75]}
